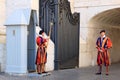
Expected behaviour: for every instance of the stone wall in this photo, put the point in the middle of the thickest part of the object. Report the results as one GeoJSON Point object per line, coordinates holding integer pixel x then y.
{"type": "Point", "coordinates": [2, 57]}
{"type": "Point", "coordinates": [72, 5]}
{"type": "Point", "coordinates": [94, 3]}
{"type": "Point", "coordinates": [21, 4]}
{"type": "Point", "coordinates": [2, 35]}
{"type": "Point", "coordinates": [2, 12]}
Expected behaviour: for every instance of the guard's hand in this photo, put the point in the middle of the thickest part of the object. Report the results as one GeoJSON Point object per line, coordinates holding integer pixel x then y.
{"type": "Point", "coordinates": [101, 50]}
{"type": "Point", "coordinates": [106, 48]}
{"type": "Point", "coordinates": [48, 37]}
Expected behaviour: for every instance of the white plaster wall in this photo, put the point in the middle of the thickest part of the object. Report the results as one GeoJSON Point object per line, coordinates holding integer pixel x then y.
{"type": "Point", "coordinates": [72, 5]}
{"type": "Point", "coordinates": [11, 5]}
{"type": "Point", "coordinates": [2, 57]}
{"type": "Point", "coordinates": [2, 12]}
{"type": "Point", "coordinates": [87, 3]}
{"type": "Point", "coordinates": [2, 35]}
{"type": "Point", "coordinates": [35, 4]}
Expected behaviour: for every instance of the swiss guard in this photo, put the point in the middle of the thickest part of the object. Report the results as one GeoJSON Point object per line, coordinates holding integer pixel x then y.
{"type": "Point", "coordinates": [41, 57]}
{"type": "Point", "coordinates": [103, 44]}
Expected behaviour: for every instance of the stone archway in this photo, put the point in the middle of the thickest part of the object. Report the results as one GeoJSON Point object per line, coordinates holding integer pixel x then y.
{"type": "Point", "coordinates": [110, 21]}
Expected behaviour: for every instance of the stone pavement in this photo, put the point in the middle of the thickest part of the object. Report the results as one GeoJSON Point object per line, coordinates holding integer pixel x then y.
{"type": "Point", "coordinates": [69, 74]}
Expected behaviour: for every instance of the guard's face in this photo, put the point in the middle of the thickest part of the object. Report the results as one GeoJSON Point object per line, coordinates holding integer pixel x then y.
{"type": "Point", "coordinates": [102, 34]}
{"type": "Point", "coordinates": [43, 34]}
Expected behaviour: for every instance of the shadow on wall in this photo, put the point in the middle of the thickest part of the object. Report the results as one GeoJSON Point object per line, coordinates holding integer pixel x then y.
{"type": "Point", "coordinates": [110, 21]}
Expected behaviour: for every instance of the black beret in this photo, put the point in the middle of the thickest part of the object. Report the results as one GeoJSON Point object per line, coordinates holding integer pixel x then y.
{"type": "Point", "coordinates": [102, 31]}
{"type": "Point", "coordinates": [41, 31]}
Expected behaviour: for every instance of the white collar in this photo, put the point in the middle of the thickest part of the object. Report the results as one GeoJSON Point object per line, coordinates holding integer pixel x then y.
{"type": "Point", "coordinates": [40, 35]}
{"type": "Point", "coordinates": [104, 36]}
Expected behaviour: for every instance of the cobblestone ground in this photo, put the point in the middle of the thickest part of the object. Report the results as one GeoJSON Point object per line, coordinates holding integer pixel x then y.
{"type": "Point", "coordinates": [70, 74]}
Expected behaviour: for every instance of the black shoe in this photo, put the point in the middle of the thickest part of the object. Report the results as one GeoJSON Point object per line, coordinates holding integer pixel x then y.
{"type": "Point", "coordinates": [44, 72]}
{"type": "Point", "coordinates": [39, 73]}
{"type": "Point", "coordinates": [98, 73]}
{"type": "Point", "coordinates": [107, 74]}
